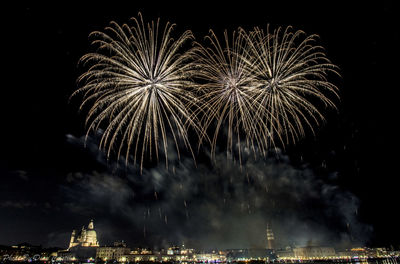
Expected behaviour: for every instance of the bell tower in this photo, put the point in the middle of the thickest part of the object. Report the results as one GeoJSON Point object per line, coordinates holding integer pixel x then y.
{"type": "Point", "coordinates": [270, 238]}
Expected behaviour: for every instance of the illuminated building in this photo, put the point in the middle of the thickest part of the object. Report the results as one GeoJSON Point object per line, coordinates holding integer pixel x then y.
{"type": "Point", "coordinates": [82, 245]}
{"type": "Point", "coordinates": [286, 253]}
{"type": "Point", "coordinates": [311, 252]}
{"type": "Point", "coordinates": [174, 251]}
{"type": "Point", "coordinates": [85, 238]}
{"type": "Point", "coordinates": [364, 252]}
{"type": "Point", "coordinates": [116, 252]}
{"type": "Point", "coordinates": [210, 257]}
{"type": "Point", "coordinates": [140, 257]}
{"type": "Point", "coordinates": [141, 254]}
{"type": "Point", "coordinates": [141, 251]}
{"type": "Point", "coordinates": [356, 252]}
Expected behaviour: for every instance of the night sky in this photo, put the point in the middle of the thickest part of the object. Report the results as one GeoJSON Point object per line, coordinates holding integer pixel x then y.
{"type": "Point", "coordinates": [338, 187]}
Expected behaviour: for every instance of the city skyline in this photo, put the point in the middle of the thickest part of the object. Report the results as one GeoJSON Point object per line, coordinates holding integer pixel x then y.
{"type": "Point", "coordinates": [85, 247]}
{"type": "Point", "coordinates": [87, 237]}
{"type": "Point", "coordinates": [337, 187]}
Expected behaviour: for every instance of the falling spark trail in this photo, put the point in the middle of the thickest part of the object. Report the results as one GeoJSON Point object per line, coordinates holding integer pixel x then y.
{"type": "Point", "coordinates": [159, 212]}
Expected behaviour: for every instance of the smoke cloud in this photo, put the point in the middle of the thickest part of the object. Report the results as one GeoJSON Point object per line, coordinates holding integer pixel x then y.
{"type": "Point", "coordinates": [220, 205]}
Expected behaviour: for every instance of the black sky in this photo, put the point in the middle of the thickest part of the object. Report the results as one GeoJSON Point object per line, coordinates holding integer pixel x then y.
{"type": "Point", "coordinates": [41, 46]}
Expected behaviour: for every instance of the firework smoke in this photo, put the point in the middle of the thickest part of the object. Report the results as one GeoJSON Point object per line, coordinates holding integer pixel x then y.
{"type": "Point", "coordinates": [218, 206]}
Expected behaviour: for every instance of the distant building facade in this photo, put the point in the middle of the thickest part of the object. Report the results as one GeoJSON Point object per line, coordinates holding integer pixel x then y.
{"type": "Point", "coordinates": [139, 255]}
{"type": "Point", "coordinates": [112, 253]}
{"type": "Point", "coordinates": [314, 252]}
{"type": "Point", "coordinates": [286, 253]}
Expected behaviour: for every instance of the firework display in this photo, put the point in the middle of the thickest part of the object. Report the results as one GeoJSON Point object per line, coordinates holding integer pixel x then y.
{"type": "Point", "coordinates": [137, 87]}
{"type": "Point", "coordinates": [255, 89]}
{"type": "Point", "coordinates": [258, 87]}
{"type": "Point", "coordinates": [227, 93]}
{"type": "Point", "coordinates": [290, 77]}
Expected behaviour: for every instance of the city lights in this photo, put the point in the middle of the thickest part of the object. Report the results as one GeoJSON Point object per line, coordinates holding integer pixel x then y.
{"type": "Point", "coordinates": [80, 250]}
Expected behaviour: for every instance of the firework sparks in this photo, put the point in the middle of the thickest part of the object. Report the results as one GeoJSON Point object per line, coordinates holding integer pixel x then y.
{"type": "Point", "coordinates": [290, 76]}
{"type": "Point", "coordinates": [226, 93]}
{"type": "Point", "coordinates": [138, 88]}
{"type": "Point", "coordinates": [262, 87]}
{"type": "Point", "coordinates": [258, 87]}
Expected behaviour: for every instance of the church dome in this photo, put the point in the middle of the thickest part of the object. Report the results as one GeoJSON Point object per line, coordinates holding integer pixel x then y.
{"type": "Point", "coordinates": [91, 233]}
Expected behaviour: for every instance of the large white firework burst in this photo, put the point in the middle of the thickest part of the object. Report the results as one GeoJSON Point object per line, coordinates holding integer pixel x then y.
{"type": "Point", "coordinates": [262, 88]}
{"type": "Point", "coordinates": [138, 88]}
